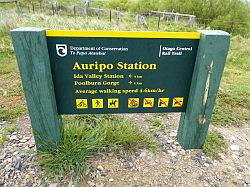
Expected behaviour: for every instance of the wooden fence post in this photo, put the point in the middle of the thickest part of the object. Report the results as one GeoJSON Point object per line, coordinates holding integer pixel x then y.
{"type": "Point", "coordinates": [209, 65]}
{"type": "Point", "coordinates": [30, 46]}
{"type": "Point", "coordinates": [158, 24]}
{"type": "Point", "coordinates": [110, 16]}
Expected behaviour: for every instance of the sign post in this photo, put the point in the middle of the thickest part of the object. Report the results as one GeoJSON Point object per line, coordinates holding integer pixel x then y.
{"type": "Point", "coordinates": [97, 72]}
{"type": "Point", "coordinates": [208, 70]}
{"type": "Point", "coordinates": [32, 55]}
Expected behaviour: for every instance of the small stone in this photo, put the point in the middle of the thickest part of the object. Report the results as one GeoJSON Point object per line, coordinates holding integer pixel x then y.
{"type": "Point", "coordinates": [104, 173]}
{"type": "Point", "coordinates": [173, 134]}
{"type": "Point", "coordinates": [100, 168]}
{"type": "Point", "coordinates": [247, 181]}
{"type": "Point", "coordinates": [3, 122]}
{"type": "Point", "coordinates": [209, 161]}
{"type": "Point", "coordinates": [143, 154]}
{"type": "Point", "coordinates": [99, 185]}
{"type": "Point", "coordinates": [91, 183]}
{"type": "Point", "coordinates": [182, 152]}
{"type": "Point", "coordinates": [242, 153]}
{"type": "Point", "coordinates": [169, 141]}
{"type": "Point", "coordinates": [15, 153]}
{"type": "Point", "coordinates": [8, 168]}
{"type": "Point", "coordinates": [234, 147]}
{"type": "Point", "coordinates": [14, 137]}
{"type": "Point", "coordinates": [30, 184]}
{"type": "Point", "coordinates": [23, 140]}
{"type": "Point", "coordinates": [31, 145]}
{"type": "Point", "coordinates": [220, 178]}
{"type": "Point", "coordinates": [53, 185]}
{"type": "Point", "coordinates": [9, 160]}
{"type": "Point", "coordinates": [18, 164]}
{"type": "Point", "coordinates": [240, 168]}
{"type": "Point", "coordinates": [206, 164]}
{"type": "Point", "coordinates": [222, 156]}
{"type": "Point", "coordinates": [172, 153]}
{"type": "Point", "coordinates": [1, 182]}
{"type": "Point", "coordinates": [26, 138]}
{"type": "Point", "coordinates": [111, 180]}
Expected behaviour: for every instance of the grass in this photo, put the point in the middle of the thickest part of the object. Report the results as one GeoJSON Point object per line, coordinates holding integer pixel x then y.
{"type": "Point", "coordinates": [88, 136]}
{"type": "Point", "coordinates": [3, 138]}
{"type": "Point", "coordinates": [6, 131]}
{"type": "Point", "coordinates": [155, 122]}
{"type": "Point", "coordinates": [214, 144]}
{"type": "Point", "coordinates": [233, 102]}
{"type": "Point", "coordinates": [10, 129]}
{"type": "Point", "coordinates": [11, 114]}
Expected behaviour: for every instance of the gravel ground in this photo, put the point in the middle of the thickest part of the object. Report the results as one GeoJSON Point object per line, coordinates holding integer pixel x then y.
{"type": "Point", "coordinates": [170, 166]}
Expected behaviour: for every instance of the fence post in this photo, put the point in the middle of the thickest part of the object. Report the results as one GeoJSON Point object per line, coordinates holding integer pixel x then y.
{"type": "Point", "coordinates": [30, 46]}
{"type": "Point", "coordinates": [110, 16]}
{"type": "Point", "coordinates": [209, 65]}
{"type": "Point", "coordinates": [159, 19]}
{"type": "Point", "coordinates": [33, 7]}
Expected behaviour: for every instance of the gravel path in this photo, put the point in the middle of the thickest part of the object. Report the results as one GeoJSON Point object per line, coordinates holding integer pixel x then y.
{"type": "Point", "coordinates": [170, 166]}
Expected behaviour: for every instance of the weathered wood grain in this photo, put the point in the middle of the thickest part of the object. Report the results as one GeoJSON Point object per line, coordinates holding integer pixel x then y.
{"type": "Point", "coordinates": [210, 61]}
{"type": "Point", "coordinates": [34, 65]}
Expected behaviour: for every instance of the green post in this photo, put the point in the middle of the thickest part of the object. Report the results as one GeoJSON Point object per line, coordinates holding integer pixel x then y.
{"type": "Point", "coordinates": [209, 65]}
{"type": "Point", "coordinates": [30, 45]}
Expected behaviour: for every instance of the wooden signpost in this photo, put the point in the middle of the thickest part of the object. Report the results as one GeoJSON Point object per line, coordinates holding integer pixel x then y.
{"type": "Point", "coordinates": [97, 72]}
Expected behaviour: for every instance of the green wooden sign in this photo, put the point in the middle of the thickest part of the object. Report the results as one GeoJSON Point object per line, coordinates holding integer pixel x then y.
{"type": "Point", "coordinates": [80, 72]}
{"type": "Point", "coordinates": [128, 73]}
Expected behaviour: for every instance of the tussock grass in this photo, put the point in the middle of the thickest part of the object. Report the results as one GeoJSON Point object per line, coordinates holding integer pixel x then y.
{"type": "Point", "coordinates": [5, 132]}
{"type": "Point", "coordinates": [214, 144]}
{"type": "Point", "coordinates": [156, 123]}
{"type": "Point", "coordinates": [12, 113]}
{"type": "Point", "coordinates": [233, 101]}
{"type": "Point", "coordinates": [88, 136]}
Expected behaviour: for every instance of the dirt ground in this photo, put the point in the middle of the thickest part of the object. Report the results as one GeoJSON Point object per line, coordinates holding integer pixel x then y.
{"type": "Point", "coordinates": [169, 166]}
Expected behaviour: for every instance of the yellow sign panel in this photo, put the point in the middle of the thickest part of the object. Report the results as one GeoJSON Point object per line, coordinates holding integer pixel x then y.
{"type": "Point", "coordinates": [163, 102]}
{"type": "Point", "coordinates": [113, 103]}
{"type": "Point", "coordinates": [133, 102]}
{"type": "Point", "coordinates": [97, 103]}
{"type": "Point", "coordinates": [81, 103]}
{"type": "Point", "coordinates": [148, 102]}
{"type": "Point", "coordinates": [177, 102]}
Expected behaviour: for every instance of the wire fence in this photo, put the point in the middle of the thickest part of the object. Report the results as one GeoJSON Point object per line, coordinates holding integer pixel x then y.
{"type": "Point", "coordinates": [115, 15]}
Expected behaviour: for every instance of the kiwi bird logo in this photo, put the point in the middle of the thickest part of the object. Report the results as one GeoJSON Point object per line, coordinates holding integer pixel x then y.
{"type": "Point", "coordinates": [61, 50]}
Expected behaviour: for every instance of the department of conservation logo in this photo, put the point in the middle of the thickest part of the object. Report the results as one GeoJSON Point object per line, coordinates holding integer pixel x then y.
{"type": "Point", "coordinates": [61, 50]}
